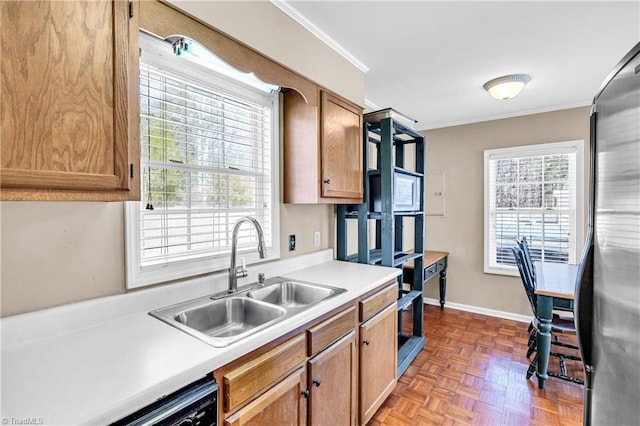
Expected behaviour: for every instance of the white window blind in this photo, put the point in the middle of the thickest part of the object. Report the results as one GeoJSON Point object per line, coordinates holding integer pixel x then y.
{"type": "Point", "coordinates": [534, 192]}
{"type": "Point", "coordinates": [206, 160]}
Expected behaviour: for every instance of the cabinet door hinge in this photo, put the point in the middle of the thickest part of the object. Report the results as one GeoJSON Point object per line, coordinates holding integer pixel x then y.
{"type": "Point", "coordinates": [131, 170]}
{"type": "Point", "coordinates": [130, 9]}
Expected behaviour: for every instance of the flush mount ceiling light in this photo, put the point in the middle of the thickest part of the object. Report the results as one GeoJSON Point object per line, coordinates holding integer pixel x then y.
{"type": "Point", "coordinates": [506, 87]}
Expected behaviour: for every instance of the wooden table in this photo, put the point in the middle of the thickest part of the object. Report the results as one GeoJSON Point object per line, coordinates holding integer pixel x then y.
{"type": "Point", "coordinates": [553, 281]}
{"type": "Point", "coordinates": [434, 262]}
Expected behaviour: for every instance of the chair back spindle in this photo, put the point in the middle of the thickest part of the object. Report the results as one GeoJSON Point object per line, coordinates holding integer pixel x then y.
{"type": "Point", "coordinates": [524, 246]}
{"type": "Point", "coordinates": [527, 281]}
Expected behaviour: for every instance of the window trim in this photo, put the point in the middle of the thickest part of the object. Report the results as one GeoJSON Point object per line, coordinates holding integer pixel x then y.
{"type": "Point", "coordinates": [137, 276]}
{"type": "Point", "coordinates": [526, 151]}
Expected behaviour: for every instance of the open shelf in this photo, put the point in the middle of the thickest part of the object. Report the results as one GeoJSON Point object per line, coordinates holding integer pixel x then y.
{"type": "Point", "coordinates": [408, 299]}
{"type": "Point", "coordinates": [408, 348]}
{"type": "Point", "coordinates": [378, 216]}
{"type": "Point", "coordinates": [375, 257]}
{"type": "Point", "coordinates": [401, 133]}
{"type": "Point", "coordinates": [381, 219]}
{"type": "Point", "coordinates": [375, 172]}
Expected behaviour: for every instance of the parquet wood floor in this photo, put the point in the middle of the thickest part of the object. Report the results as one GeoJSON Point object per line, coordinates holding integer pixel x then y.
{"type": "Point", "coordinates": [472, 371]}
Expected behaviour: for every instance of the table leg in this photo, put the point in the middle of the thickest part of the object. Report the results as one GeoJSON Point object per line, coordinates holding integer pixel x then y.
{"type": "Point", "coordinates": [545, 314]}
{"type": "Point", "coordinates": [443, 286]}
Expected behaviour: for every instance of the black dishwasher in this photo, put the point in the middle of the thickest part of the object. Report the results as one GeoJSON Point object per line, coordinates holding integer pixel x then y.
{"type": "Point", "coordinates": [193, 405]}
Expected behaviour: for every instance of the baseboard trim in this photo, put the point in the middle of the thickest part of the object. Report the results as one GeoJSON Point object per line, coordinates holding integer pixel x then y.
{"type": "Point", "coordinates": [478, 310]}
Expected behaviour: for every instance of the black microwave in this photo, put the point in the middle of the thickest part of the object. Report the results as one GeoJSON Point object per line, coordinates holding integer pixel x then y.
{"type": "Point", "coordinates": [406, 193]}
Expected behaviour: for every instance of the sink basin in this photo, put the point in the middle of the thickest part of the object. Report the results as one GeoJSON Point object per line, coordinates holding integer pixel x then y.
{"type": "Point", "coordinates": [223, 318]}
{"type": "Point", "coordinates": [223, 321]}
{"type": "Point", "coordinates": [293, 294]}
{"type": "Point", "coordinates": [228, 317]}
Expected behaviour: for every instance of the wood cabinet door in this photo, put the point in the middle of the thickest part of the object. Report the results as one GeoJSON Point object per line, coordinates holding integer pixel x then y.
{"type": "Point", "coordinates": [67, 82]}
{"type": "Point", "coordinates": [340, 149]}
{"type": "Point", "coordinates": [378, 345]}
{"type": "Point", "coordinates": [332, 384]}
{"type": "Point", "coordinates": [283, 404]}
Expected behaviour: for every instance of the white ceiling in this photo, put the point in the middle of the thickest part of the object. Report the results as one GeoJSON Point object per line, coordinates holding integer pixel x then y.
{"type": "Point", "coordinates": [429, 59]}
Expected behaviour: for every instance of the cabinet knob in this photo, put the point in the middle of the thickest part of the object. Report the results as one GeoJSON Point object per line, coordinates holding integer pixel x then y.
{"type": "Point", "coordinates": [305, 393]}
{"type": "Point", "coordinates": [327, 181]}
{"type": "Point", "coordinates": [366, 342]}
{"type": "Point", "coordinates": [317, 382]}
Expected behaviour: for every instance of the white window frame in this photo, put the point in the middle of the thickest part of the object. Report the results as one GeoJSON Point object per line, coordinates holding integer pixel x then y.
{"type": "Point", "coordinates": [576, 146]}
{"type": "Point", "coordinates": [138, 276]}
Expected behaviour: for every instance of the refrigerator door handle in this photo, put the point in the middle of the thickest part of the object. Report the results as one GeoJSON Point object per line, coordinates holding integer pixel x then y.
{"type": "Point", "coordinates": [583, 317]}
{"type": "Point", "coordinates": [583, 311]}
{"type": "Point", "coordinates": [584, 301]}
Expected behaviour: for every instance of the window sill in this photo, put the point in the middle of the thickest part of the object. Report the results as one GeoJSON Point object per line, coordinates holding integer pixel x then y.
{"type": "Point", "coordinates": [508, 271]}
{"type": "Point", "coordinates": [176, 271]}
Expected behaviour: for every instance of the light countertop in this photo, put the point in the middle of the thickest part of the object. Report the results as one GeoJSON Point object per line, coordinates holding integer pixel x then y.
{"type": "Point", "coordinates": [99, 371]}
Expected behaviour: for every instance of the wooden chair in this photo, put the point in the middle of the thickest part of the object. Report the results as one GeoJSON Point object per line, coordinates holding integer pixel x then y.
{"type": "Point", "coordinates": [558, 325]}
{"type": "Point", "coordinates": [558, 304]}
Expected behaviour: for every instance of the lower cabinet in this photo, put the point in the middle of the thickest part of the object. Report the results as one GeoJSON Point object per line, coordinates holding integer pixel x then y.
{"type": "Point", "coordinates": [283, 404]}
{"type": "Point", "coordinates": [378, 360]}
{"type": "Point", "coordinates": [335, 371]}
{"type": "Point", "coordinates": [332, 384]}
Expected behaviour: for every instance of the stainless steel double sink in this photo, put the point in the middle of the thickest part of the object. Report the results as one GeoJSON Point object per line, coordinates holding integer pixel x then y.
{"type": "Point", "coordinates": [222, 319]}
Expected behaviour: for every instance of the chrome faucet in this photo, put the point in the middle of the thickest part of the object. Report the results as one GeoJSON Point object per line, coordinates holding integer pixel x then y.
{"type": "Point", "coordinates": [236, 272]}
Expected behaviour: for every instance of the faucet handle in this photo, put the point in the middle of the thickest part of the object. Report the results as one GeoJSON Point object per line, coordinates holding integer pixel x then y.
{"type": "Point", "coordinates": [241, 271]}
{"type": "Point", "coordinates": [260, 279]}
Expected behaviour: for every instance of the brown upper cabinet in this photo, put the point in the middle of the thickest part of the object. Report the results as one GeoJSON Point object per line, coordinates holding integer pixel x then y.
{"type": "Point", "coordinates": [69, 102]}
{"type": "Point", "coordinates": [322, 150]}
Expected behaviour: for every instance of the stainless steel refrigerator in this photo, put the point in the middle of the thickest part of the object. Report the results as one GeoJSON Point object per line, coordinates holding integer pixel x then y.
{"type": "Point", "coordinates": [608, 283]}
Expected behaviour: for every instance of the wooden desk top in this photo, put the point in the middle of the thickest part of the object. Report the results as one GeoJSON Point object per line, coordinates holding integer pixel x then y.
{"type": "Point", "coordinates": [555, 279]}
{"type": "Point", "coordinates": [430, 257]}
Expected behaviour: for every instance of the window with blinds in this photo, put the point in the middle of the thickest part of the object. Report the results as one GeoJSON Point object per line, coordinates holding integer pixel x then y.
{"type": "Point", "coordinates": [534, 192]}
{"type": "Point", "coordinates": [207, 159]}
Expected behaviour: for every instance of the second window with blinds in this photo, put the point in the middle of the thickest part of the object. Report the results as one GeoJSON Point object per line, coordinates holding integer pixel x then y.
{"type": "Point", "coordinates": [208, 157]}
{"type": "Point", "coordinates": [533, 191]}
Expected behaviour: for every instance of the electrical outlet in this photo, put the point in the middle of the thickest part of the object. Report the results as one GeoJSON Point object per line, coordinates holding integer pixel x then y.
{"type": "Point", "coordinates": [292, 242]}
{"type": "Point", "coordinates": [316, 238]}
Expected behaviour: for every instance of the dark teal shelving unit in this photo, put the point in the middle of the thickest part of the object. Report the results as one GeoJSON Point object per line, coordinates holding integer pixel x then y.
{"type": "Point", "coordinates": [390, 139]}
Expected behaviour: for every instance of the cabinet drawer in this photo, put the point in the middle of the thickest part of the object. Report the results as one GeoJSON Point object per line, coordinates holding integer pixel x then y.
{"type": "Point", "coordinates": [282, 401]}
{"type": "Point", "coordinates": [375, 303]}
{"type": "Point", "coordinates": [442, 264]}
{"type": "Point", "coordinates": [258, 375]}
{"type": "Point", "coordinates": [430, 271]}
{"type": "Point", "coordinates": [327, 332]}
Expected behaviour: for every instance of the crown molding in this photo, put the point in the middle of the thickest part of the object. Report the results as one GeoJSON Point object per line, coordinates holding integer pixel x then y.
{"type": "Point", "coordinates": [370, 104]}
{"type": "Point", "coordinates": [294, 14]}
